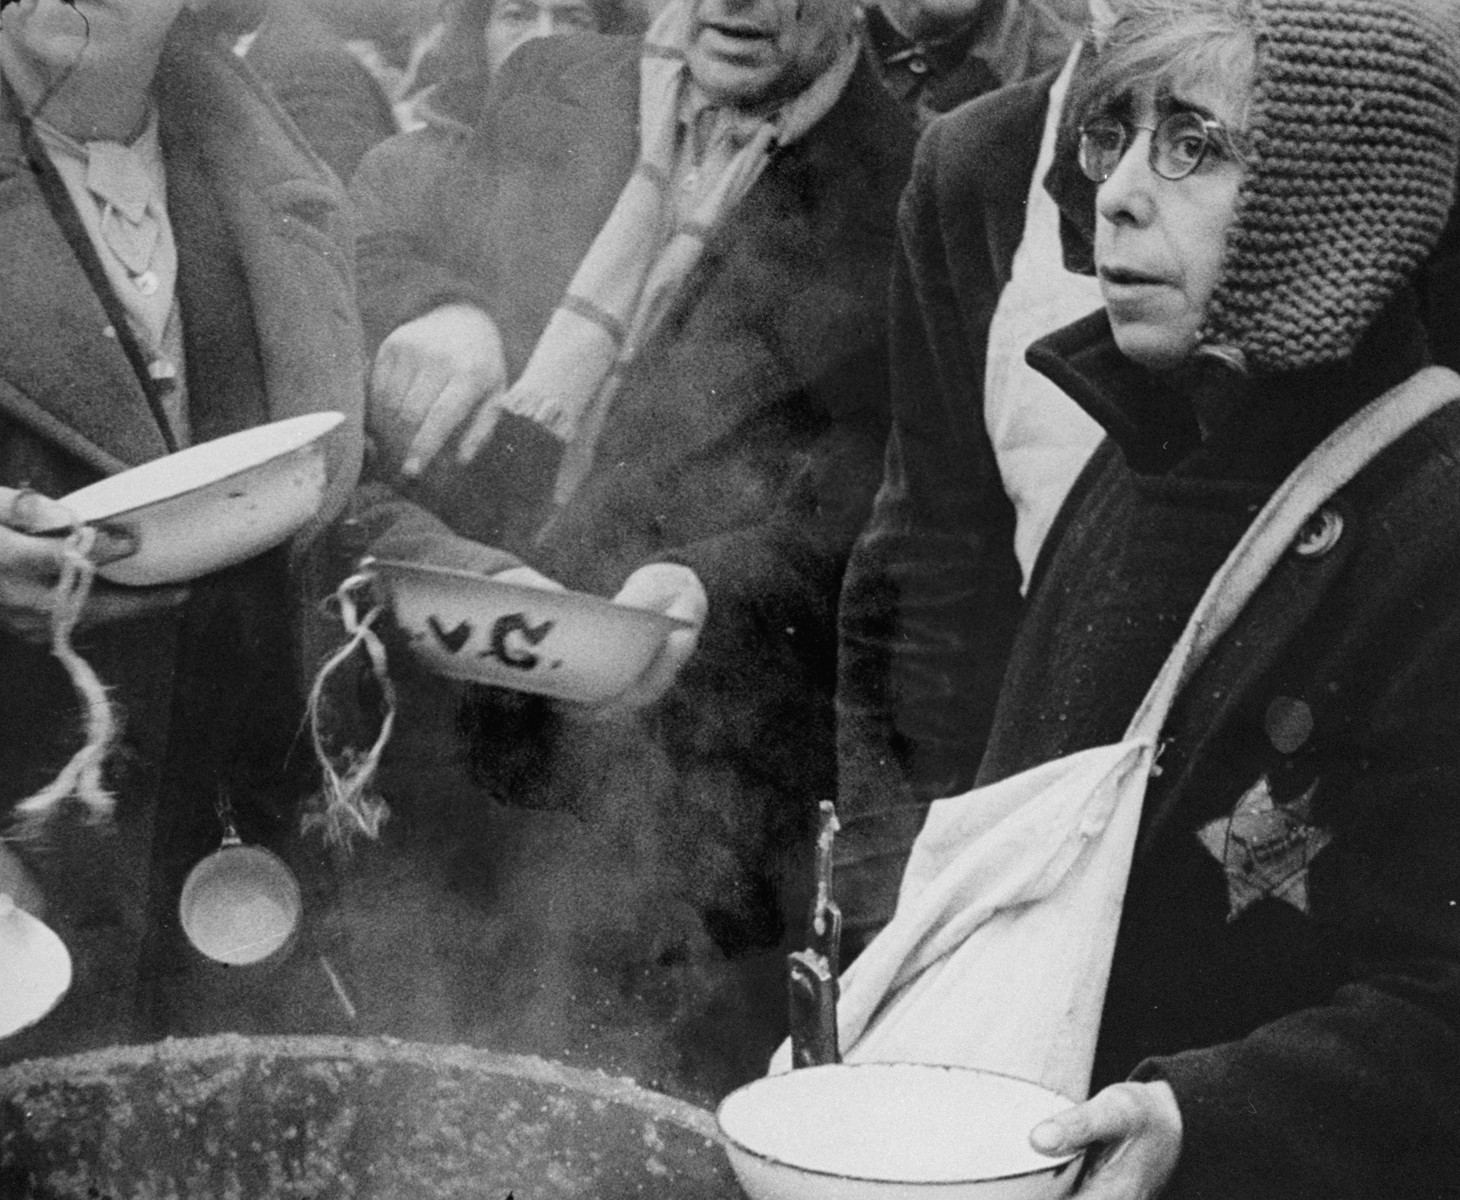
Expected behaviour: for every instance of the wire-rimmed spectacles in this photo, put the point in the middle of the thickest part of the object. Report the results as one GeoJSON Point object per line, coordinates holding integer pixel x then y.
{"type": "Point", "coordinates": [1180, 143]}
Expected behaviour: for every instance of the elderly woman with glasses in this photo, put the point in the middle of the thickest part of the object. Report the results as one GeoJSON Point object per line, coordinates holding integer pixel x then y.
{"type": "Point", "coordinates": [1283, 1013]}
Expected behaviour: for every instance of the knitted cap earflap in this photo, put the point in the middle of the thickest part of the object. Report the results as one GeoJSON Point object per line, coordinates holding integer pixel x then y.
{"type": "Point", "coordinates": [1354, 124]}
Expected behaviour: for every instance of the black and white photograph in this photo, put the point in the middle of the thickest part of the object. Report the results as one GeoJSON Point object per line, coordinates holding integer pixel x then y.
{"type": "Point", "coordinates": [729, 599]}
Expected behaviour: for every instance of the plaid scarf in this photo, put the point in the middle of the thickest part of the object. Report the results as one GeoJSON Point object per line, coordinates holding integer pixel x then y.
{"type": "Point", "coordinates": [646, 249]}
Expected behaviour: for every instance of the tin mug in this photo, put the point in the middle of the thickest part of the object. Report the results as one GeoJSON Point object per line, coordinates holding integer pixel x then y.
{"type": "Point", "coordinates": [241, 906]}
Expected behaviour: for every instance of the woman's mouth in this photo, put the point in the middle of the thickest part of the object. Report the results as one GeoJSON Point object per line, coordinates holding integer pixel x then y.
{"type": "Point", "coordinates": [734, 40]}
{"type": "Point", "coordinates": [1128, 277]}
{"type": "Point", "coordinates": [737, 31]}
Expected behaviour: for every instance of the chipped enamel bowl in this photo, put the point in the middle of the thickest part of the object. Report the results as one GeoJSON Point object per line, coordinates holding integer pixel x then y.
{"type": "Point", "coordinates": [214, 504]}
{"type": "Point", "coordinates": [567, 645]}
{"type": "Point", "coordinates": [892, 1131]}
{"type": "Point", "coordinates": [36, 969]}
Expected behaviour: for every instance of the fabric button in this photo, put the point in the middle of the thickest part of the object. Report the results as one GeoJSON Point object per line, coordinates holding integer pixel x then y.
{"type": "Point", "coordinates": [1320, 534]}
{"type": "Point", "coordinates": [1289, 724]}
{"type": "Point", "coordinates": [918, 66]}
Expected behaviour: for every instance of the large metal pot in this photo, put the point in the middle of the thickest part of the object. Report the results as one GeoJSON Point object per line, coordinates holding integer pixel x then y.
{"type": "Point", "coordinates": [314, 1118]}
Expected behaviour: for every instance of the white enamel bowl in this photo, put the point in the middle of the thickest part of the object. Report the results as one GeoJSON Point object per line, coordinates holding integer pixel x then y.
{"type": "Point", "coordinates": [892, 1131]}
{"type": "Point", "coordinates": [214, 504]}
{"type": "Point", "coordinates": [567, 645]}
{"type": "Point", "coordinates": [35, 968]}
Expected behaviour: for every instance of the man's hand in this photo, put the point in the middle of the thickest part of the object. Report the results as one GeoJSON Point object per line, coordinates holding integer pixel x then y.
{"type": "Point", "coordinates": [667, 588]}
{"type": "Point", "coordinates": [675, 591]}
{"type": "Point", "coordinates": [30, 566]}
{"type": "Point", "coordinates": [1139, 1127]}
{"type": "Point", "coordinates": [430, 376]}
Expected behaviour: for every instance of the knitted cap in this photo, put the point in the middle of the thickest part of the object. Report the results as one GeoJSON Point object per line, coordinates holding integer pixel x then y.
{"type": "Point", "coordinates": [1355, 121]}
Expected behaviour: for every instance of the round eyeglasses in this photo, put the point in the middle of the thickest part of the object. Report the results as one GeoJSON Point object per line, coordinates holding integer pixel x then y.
{"type": "Point", "coordinates": [1180, 142]}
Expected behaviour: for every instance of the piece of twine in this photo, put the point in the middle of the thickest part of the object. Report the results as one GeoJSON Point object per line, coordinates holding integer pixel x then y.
{"type": "Point", "coordinates": [82, 777]}
{"type": "Point", "coordinates": [347, 803]}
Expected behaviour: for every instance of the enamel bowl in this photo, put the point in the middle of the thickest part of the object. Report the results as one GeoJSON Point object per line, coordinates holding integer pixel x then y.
{"type": "Point", "coordinates": [567, 645]}
{"type": "Point", "coordinates": [37, 968]}
{"type": "Point", "coordinates": [214, 504]}
{"type": "Point", "coordinates": [892, 1131]}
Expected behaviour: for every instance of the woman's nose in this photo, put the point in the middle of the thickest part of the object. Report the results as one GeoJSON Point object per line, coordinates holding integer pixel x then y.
{"type": "Point", "coordinates": [1128, 193]}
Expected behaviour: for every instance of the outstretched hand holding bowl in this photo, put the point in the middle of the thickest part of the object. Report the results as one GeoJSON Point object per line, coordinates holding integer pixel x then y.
{"type": "Point", "coordinates": [30, 566]}
{"type": "Point", "coordinates": [667, 588]}
{"type": "Point", "coordinates": [1139, 1127]}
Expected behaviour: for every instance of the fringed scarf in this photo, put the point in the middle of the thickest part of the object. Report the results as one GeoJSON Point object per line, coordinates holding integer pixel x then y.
{"type": "Point", "coordinates": [647, 247]}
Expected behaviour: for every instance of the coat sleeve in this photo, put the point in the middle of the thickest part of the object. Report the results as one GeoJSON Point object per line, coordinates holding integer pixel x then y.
{"type": "Point", "coordinates": [425, 201]}
{"type": "Point", "coordinates": [932, 588]}
{"type": "Point", "coordinates": [383, 523]}
{"type": "Point", "coordinates": [1359, 1098]}
{"type": "Point", "coordinates": [403, 269]}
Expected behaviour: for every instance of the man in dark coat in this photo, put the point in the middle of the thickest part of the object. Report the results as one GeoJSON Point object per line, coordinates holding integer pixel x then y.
{"type": "Point", "coordinates": [743, 445]}
{"type": "Point", "coordinates": [206, 683]}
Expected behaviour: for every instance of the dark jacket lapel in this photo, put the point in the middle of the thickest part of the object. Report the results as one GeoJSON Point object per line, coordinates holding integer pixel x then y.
{"type": "Point", "coordinates": [63, 372]}
{"type": "Point", "coordinates": [285, 215]}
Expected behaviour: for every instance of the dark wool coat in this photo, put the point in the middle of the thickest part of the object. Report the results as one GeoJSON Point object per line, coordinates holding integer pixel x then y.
{"type": "Point", "coordinates": [1002, 44]}
{"type": "Point", "coordinates": [1293, 973]}
{"type": "Point", "coordinates": [209, 691]}
{"type": "Point", "coordinates": [932, 589]}
{"type": "Point", "coordinates": [746, 439]}
{"type": "Point", "coordinates": [325, 89]}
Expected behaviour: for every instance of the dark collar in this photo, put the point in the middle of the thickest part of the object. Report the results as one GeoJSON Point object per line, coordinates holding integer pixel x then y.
{"type": "Point", "coordinates": [909, 68]}
{"type": "Point", "coordinates": [940, 56]}
{"type": "Point", "coordinates": [1256, 427]}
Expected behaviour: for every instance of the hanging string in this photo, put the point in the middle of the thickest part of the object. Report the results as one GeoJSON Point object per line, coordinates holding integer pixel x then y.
{"type": "Point", "coordinates": [82, 776]}
{"type": "Point", "coordinates": [347, 803]}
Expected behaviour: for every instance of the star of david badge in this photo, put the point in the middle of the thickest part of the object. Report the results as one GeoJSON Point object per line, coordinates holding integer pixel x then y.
{"type": "Point", "coordinates": [1265, 848]}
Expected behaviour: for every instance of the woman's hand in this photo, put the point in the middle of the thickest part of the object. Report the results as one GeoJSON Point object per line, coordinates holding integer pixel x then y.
{"type": "Point", "coordinates": [30, 566]}
{"type": "Point", "coordinates": [431, 375]}
{"type": "Point", "coordinates": [1139, 1127]}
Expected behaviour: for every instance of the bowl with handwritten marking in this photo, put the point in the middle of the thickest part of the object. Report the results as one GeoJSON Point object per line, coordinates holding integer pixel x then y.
{"type": "Point", "coordinates": [563, 644]}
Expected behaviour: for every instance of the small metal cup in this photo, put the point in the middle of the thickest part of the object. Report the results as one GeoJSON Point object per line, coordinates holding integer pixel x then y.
{"type": "Point", "coordinates": [241, 906]}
